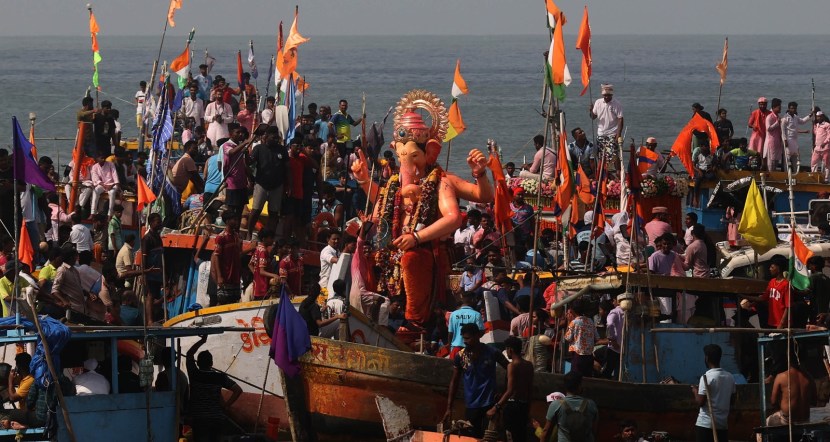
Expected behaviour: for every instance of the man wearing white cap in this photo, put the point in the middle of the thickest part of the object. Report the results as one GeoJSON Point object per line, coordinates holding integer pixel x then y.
{"type": "Point", "coordinates": [609, 113]}
{"type": "Point", "coordinates": [649, 160]}
{"type": "Point", "coordinates": [821, 152]}
{"type": "Point", "coordinates": [758, 124]}
{"type": "Point", "coordinates": [90, 382]}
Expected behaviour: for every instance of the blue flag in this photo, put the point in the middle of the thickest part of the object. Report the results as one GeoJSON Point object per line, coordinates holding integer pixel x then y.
{"type": "Point", "coordinates": [291, 104]}
{"type": "Point", "coordinates": [290, 338]}
{"type": "Point", "coordinates": [25, 166]}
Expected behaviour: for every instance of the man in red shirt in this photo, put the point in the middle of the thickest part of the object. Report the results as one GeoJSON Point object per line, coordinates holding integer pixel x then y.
{"type": "Point", "coordinates": [777, 296]}
{"type": "Point", "coordinates": [226, 262]}
{"type": "Point", "coordinates": [291, 270]}
{"type": "Point", "coordinates": [292, 206]}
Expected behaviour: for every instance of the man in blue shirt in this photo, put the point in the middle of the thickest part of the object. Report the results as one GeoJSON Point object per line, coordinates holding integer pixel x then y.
{"type": "Point", "coordinates": [205, 82]}
{"type": "Point", "coordinates": [466, 314]}
{"type": "Point", "coordinates": [477, 363]}
{"type": "Point", "coordinates": [575, 417]}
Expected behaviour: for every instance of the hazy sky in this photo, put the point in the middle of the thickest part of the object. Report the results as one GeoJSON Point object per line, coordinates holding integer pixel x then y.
{"type": "Point", "coordinates": [385, 17]}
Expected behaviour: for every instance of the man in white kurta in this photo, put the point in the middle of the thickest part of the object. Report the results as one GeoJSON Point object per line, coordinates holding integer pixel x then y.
{"type": "Point", "coordinates": [789, 124]}
{"type": "Point", "coordinates": [218, 114]}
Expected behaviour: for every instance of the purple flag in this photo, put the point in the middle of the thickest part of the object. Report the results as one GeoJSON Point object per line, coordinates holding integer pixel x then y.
{"type": "Point", "coordinates": [26, 168]}
{"type": "Point", "coordinates": [290, 338]}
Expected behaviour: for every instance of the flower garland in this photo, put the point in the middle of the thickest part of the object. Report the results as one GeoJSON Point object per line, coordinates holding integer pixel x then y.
{"type": "Point", "coordinates": [654, 186]}
{"type": "Point", "coordinates": [531, 186]}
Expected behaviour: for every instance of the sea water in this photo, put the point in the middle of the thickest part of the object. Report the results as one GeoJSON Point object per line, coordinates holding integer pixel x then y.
{"type": "Point", "coordinates": [656, 78]}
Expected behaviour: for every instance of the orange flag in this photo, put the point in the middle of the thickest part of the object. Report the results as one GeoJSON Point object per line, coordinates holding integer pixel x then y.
{"type": "Point", "coordinates": [456, 126]}
{"type": "Point", "coordinates": [25, 253]}
{"type": "Point", "coordinates": [721, 67]}
{"type": "Point", "coordinates": [287, 63]}
{"type": "Point", "coordinates": [171, 11]}
{"type": "Point", "coordinates": [565, 191]}
{"type": "Point", "coordinates": [145, 194]}
{"type": "Point", "coordinates": [583, 41]}
{"type": "Point", "coordinates": [32, 140]}
{"type": "Point", "coordinates": [682, 147]}
{"type": "Point", "coordinates": [501, 208]}
{"type": "Point", "coordinates": [583, 186]}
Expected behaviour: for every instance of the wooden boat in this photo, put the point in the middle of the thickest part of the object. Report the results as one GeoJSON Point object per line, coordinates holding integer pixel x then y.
{"type": "Point", "coordinates": [244, 355]}
{"type": "Point", "coordinates": [341, 380]}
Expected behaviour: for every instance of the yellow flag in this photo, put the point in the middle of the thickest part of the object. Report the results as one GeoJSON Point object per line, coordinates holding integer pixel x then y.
{"type": "Point", "coordinates": [756, 226]}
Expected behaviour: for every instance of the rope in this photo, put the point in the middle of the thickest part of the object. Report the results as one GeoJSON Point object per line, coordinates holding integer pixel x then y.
{"type": "Point", "coordinates": [74, 102]}
{"type": "Point", "coordinates": [118, 98]}
{"type": "Point", "coordinates": [262, 394]}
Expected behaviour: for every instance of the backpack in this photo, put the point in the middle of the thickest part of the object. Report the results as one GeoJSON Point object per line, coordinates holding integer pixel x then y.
{"type": "Point", "coordinates": [574, 422]}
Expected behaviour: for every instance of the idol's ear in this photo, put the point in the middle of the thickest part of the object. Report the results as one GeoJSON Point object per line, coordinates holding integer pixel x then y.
{"type": "Point", "coordinates": [433, 150]}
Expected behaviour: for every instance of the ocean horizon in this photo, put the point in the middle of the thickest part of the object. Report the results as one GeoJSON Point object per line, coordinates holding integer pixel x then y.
{"type": "Point", "coordinates": [656, 78]}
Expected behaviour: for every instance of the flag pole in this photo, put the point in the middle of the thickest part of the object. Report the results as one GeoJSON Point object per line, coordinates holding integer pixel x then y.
{"type": "Point", "coordinates": [449, 149]}
{"type": "Point", "coordinates": [150, 85]}
{"type": "Point", "coordinates": [89, 8]}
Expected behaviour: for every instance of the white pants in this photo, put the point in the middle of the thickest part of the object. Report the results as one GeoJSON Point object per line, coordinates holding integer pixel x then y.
{"type": "Point", "coordinates": [97, 194]}
{"type": "Point", "coordinates": [84, 193]}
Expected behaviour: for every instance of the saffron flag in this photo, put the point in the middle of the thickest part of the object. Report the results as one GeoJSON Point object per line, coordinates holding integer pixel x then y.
{"type": "Point", "coordinates": [755, 225]}
{"type": "Point", "coordinates": [25, 166]}
{"type": "Point", "coordinates": [239, 78]}
{"type": "Point", "coordinates": [96, 54]}
{"type": "Point", "coordinates": [459, 86]}
{"type": "Point", "coordinates": [32, 141]}
{"type": "Point", "coordinates": [501, 208]}
{"type": "Point", "coordinates": [252, 60]}
{"type": "Point", "coordinates": [799, 276]}
{"type": "Point", "coordinates": [279, 60]}
{"type": "Point", "coordinates": [180, 66]}
{"type": "Point", "coordinates": [682, 147]}
{"type": "Point", "coordinates": [456, 126]}
{"type": "Point", "coordinates": [559, 75]}
{"type": "Point", "coordinates": [145, 194]}
{"type": "Point", "coordinates": [171, 12]}
{"type": "Point", "coordinates": [721, 67]}
{"type": "Point", "coordinates": [25, 252]}
{"type": "Point", "coordinates": [565, 188]}
{"type": "Point", "coordinates": [583, 42]}
{"type": "Point", "coordinates": [77, 158]}
{"type": "Point", "coordinates": [288, 62]}
{"type": "Point", "coordinates": [583, 187]}
{"type": "Point", "coordinates": [290, 339]}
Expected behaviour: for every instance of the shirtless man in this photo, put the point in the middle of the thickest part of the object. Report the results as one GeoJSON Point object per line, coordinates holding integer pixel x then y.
{"type": "Point", "coordinates": [516, 398]}
{"type": "Point", "coordinates": [793, 403]}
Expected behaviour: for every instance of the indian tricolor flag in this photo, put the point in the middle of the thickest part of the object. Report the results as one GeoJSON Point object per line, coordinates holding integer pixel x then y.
{"type": "Point", "coordinates": [800, 279]}
{"type": "Point", "coordinates": [556, 67]}
{"type": "Point", "coordinates": [459, 86]}
{"type": "Point", "coordinates": [180, 66]}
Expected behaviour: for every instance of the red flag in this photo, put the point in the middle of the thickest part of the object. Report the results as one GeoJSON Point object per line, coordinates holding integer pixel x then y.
{"type": "Point", "coordinates": [501, 210]}
{"type": "Point", "coordinates": [239, 69]}
{"type": "Point", "coordinates": [145, 194]}
{"type": "Point", "coordinates": [583, 41]}
{"type": "Point", "coordinates": [682, 147]}
{"type": "Point", "coordinates": [25, 253]}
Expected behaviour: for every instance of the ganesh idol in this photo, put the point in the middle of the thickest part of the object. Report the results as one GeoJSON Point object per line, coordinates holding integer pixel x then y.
{"type": "Point", "coordinates": [418, 208]}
